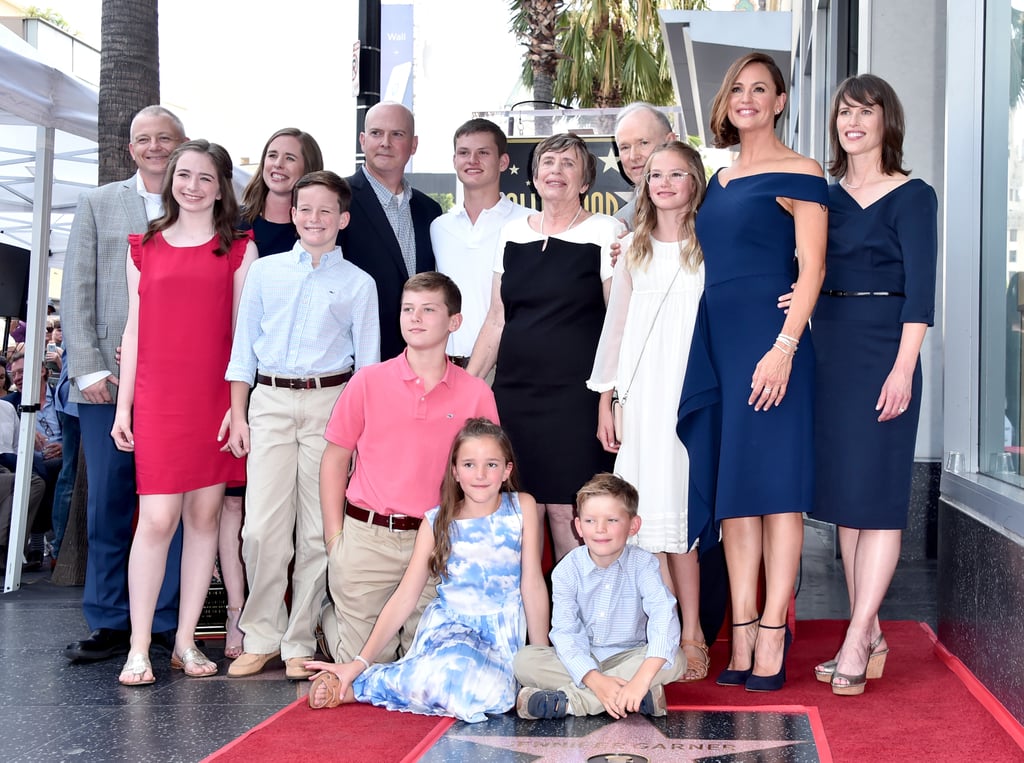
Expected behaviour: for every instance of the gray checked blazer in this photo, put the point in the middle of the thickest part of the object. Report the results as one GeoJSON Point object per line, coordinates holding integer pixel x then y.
{"type": "Point", "coordinates": [94, 295]}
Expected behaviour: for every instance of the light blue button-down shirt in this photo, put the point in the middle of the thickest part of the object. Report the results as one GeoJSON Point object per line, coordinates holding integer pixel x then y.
{"type": "Point", "coordinates": [598, 612]}
{"type": "Point", "coordinates": [297, 320]}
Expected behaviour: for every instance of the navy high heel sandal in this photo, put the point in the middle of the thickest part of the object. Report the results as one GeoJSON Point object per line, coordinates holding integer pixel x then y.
{"type": "Point", "coordinates": [738, 677]}
{"type": "Point", "coordinates": [775, 682]}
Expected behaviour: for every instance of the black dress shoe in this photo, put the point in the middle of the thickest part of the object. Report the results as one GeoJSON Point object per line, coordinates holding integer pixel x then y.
{"type": "Point", "coordinates": [102, 644]}
{"type": "Point", "coordinates": [164, 640]}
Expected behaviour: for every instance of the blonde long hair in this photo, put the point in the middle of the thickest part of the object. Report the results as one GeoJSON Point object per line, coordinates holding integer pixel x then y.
{"type": "Point", "coordinates": [641, 251]}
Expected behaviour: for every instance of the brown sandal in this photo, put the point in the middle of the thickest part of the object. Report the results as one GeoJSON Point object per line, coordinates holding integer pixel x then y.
{"type": "Point", "coordinates": [331, 683]}
{"type": "Point", "coordinates": [698, 667]}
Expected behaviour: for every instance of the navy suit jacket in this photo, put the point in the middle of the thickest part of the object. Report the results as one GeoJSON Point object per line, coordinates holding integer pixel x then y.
{"type": "Point", "coordinates": [370, 243]}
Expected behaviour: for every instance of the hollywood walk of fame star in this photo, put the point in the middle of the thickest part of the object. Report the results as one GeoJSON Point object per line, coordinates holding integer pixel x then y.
{"type": "Point", "coordinates": [633, 735]}
{"type": "Point", "coordinates": [610, 161]}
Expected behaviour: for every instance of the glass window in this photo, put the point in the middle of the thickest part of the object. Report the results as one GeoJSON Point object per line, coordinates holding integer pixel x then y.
{"type": "Point", "coordinates": [1002, 318]}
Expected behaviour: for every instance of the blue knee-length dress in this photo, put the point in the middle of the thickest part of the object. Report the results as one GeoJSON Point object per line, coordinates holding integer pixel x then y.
{"type": "Point", "coordinates": [864, 466]}
{"type": "Point", "coordinates": [745, 462]}
{"type": "Point", "coordinates": [460, 661]}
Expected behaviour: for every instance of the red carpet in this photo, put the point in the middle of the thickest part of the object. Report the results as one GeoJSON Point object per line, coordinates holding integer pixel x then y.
{"type": "Point", "coordinates": [297, 734]}
{"type": "Point", "coordinates": [928, 707]}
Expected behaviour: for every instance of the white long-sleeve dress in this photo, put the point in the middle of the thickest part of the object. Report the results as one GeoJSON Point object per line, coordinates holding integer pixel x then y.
{"type": "Point", "coordinates": [651, 456]}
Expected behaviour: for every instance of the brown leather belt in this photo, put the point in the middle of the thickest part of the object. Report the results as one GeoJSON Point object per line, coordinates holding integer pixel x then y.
{"type": "Point", "coordinates": [460, 360]}
{"type": "Point", "coordinates": [313, 382]}
{"type": "Point", "coordinates": [392, 522]}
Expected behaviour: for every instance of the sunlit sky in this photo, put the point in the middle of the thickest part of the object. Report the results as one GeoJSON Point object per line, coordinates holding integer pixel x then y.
{"type": "Point", "coordinates": [237, 71]}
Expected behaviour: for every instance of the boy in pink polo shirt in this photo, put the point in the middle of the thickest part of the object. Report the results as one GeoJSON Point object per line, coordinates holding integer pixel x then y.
{"type": "Point", "coordinates": [396, 420]}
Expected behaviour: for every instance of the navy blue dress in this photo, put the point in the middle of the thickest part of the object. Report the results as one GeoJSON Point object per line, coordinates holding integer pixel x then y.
{"type": "Point", "coordinates": [864, 467]}
{"type": "Point", "coordinates": [746, 463]}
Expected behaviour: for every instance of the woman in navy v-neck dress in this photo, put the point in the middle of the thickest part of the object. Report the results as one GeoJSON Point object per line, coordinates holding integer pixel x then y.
{"type": "Point", "coordinates": [877, 301]}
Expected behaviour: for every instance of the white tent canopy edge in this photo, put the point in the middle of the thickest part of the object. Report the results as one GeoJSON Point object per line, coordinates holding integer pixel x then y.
{"type": "Point", "coordinates": [38, 94]}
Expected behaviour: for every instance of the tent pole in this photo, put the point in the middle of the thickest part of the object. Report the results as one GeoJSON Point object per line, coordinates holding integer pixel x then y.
{"type": "Point", "coordinates": [37, 286]}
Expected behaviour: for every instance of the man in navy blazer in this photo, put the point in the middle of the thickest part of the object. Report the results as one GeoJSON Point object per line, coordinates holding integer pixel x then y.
{"type": "Point", "coordinates": [389, 232]}
{"type": "Point", "coordinates": [94, 300]}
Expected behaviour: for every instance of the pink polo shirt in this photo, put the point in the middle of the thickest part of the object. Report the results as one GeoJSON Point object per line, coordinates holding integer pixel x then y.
{"type": "Point", "coordinates": [401, 435]}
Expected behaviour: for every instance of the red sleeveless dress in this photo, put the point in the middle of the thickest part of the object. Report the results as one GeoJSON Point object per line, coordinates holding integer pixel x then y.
{"type": "Point", "coordinates": [185, 296]}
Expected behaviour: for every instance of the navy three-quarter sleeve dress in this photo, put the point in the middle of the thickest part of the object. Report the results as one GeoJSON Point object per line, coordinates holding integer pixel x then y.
{"type": "Point", "coordinates": [863, 466]}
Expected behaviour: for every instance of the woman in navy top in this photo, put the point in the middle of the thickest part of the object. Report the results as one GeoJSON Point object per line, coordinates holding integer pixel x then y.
{"type": "Point", "coordinates": [876, 303]}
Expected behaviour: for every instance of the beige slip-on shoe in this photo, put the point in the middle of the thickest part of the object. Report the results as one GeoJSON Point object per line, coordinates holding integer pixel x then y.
{"type": "Point", "coordinates": [295, 668]}
{"type": "Point", "coordinates": [250, 664]}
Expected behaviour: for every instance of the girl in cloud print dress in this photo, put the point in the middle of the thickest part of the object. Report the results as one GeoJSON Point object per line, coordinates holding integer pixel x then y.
{"type": "Point", "coordinates": [484, 543]}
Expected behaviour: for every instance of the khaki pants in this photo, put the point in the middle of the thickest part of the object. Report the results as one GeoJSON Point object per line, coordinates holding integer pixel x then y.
{"type": "Point", "coordinates": [539, 667]}
{"type": "Point", "coordinates": [365, 567]}
{"type": "Point", "coordinates": [283, 501]}
{"type": "Point", "coordinates": [36, 489]}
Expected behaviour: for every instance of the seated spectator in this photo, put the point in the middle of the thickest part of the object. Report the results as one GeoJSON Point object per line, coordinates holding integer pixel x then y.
{"type": "Point", "coordinates": [71, 439]}
{"type": "Point", "coordinates": [8, 465]}
{"type": "Point", "coordinates": [48, 456]}
{"type": "Point", "coordinates": [52, 359]}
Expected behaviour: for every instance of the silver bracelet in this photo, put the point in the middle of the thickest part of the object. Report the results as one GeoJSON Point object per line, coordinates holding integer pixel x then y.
{"type": "Point", "coordinates": [360, 658]}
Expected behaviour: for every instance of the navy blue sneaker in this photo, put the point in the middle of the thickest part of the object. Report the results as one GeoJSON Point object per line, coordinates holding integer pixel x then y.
{"type": "Point", "coordinates": [534, 704]}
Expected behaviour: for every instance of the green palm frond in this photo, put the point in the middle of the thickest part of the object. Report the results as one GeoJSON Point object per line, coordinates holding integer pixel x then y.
{"type": "Point", "coordinates": [607, 52]}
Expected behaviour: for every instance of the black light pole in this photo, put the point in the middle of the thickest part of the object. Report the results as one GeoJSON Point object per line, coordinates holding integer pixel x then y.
{"type": "Point", "coordinates": [369, 66]}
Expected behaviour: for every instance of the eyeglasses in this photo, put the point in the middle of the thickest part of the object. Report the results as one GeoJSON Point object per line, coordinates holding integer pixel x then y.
{"type": "Point", "coordinates": [675, 177]}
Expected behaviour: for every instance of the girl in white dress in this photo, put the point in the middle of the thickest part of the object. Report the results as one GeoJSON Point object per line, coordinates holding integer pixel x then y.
{"type": "Point", "coordinates": [641, 358]}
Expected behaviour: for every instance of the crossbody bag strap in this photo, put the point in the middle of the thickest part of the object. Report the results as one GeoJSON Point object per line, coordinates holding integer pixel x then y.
{"type": "Point", "coordinates": [622, 397]}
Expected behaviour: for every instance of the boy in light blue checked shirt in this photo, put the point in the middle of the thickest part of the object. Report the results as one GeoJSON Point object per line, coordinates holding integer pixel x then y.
{"type": "Point", "coordinates": [307, 320]}
{"type": "Point", "coordinates": [614, 625]}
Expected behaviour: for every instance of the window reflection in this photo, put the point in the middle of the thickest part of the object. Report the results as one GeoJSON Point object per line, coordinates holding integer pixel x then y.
{"type": "Point", "coordinates": [1005, 463]}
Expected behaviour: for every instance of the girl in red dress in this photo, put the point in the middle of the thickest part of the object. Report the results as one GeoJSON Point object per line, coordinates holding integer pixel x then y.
{"type": "Point", "coordinates": [185, 275]}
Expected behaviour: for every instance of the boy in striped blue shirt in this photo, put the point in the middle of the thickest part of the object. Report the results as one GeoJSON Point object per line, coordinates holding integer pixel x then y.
{"type": "Point", "coordinates": [614, 627]}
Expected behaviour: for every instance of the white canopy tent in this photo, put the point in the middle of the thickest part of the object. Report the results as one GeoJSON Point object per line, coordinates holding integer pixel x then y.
{"type": "Point", "coordinates": [41, 109]}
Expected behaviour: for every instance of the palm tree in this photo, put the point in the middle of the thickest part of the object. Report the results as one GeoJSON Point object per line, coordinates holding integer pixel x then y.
{"type": "Point", "coordinates": [535, 23]}
{"type": "Point", "coordinates": [129, 78]}
{"type": "Point", "coordinates": [596, 53]}
{"type": "Point", "coordinates": [614, 52]}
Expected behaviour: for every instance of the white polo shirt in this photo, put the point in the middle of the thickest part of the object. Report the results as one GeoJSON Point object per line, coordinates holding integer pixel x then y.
{"type": "Point", "coordinates": [465, 253]}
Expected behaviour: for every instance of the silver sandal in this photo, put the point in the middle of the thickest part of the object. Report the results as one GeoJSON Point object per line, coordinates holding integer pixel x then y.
{"type": "Point", "coordinates": [137, 665]}
{"type": "Point", "coordinates": [193, 658]}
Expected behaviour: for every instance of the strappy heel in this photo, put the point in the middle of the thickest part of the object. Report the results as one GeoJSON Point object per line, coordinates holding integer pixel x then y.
{"type": "Point", "coordinates": [876, 662]}
{"type": "Point", "coordinates": [697, 667]}
{"type": "Point", "coordinates": [738, 677]}
{"type": "Point", "coordinates": [773, 682]}
{"type": "Point", "coordinates": [855, 685]}
{"type": "Point", "coordinates": [232, 650]}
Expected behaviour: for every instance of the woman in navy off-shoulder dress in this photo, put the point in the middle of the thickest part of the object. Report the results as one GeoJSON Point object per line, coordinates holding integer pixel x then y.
{"type": "Point", "coordinates": [877, 301]}
{"type": "Point", "coordinates": [746, 411]}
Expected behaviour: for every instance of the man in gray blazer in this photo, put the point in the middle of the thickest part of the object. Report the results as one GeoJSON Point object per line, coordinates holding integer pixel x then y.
{"type": "Point", "coordinates": [94, 304]}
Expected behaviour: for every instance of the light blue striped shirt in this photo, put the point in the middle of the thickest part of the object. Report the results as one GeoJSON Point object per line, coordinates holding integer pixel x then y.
{"type": "Point", "coordinates": [399, 213]}
{"type": "Point", "coordinates": [598, 612]}
{"type": "Point", "coordinates": [298, 321]}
